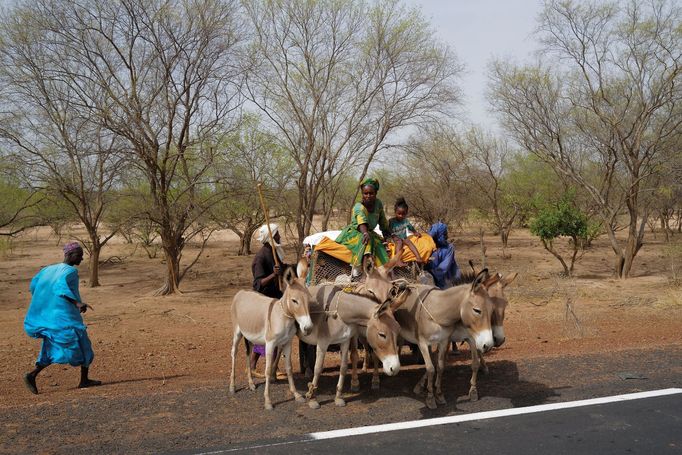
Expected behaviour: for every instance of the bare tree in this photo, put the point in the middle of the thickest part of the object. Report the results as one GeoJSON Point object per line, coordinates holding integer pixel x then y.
{"type": "Point", "coordinates": [484, 158]}
{"type": "Point", "coordinates": [162, 77]}
{"type": "Point", "coordinates": [432, 177]}
{"type": "Point", "coordinates": [64, 154]}
{"type": "Point", "coordinates": [250, 156]}
{"type": "Point", "coordinates": [337, 78]}
{"type": "Point", "coordinates": [607, 109]}
{"type": "Point", "coordinates": [17, 206]}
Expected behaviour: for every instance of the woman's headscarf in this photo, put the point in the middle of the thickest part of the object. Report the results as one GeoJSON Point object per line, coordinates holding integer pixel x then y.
{"type": "Point", "coordinates": [371, 182]}
{"type": "Point", "coordinates": [439, 232]}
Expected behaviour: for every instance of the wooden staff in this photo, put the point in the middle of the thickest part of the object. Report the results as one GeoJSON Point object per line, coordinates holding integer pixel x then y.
{"type": "Point", "coordinates": [259, 187]}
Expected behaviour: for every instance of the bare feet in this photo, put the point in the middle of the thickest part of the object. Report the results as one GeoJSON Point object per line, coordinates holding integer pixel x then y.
{"type": "Point", "coordinates": [30, 382]}
{"type": "Point", "coordinates": [89, 383]}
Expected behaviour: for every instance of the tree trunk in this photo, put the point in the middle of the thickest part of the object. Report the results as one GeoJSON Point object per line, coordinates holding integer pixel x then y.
{"type": "Point", "coordinates": [172, 251]}
{"type": "Point", "coordinates": [548, 246]}
{"type": "Point", "coordinates": [94, 266]}
{"type": "Point", "coordinates": [634, 242]}
{"type": "Point", "coordinates": [575, 254]}
{"type": "Point", "coordinates": [242, 245]}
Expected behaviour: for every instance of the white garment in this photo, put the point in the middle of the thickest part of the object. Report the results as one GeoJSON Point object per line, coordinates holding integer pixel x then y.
{"type": "Point", "coordinates": [264, 237]}
{"type": "Point", "coordinates": [314, 239]}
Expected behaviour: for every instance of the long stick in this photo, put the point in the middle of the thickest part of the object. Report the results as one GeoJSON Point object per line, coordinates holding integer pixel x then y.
{"type": "Point", "coordinates": [267, 223]}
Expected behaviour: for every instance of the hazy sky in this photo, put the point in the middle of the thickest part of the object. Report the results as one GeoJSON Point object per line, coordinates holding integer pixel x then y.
{"type": "Point", "coordinates": [478, 30]}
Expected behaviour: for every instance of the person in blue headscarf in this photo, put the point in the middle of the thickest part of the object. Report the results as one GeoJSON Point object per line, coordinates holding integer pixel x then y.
{"type": "Point", "coordinates": [443, 265]}
{"type": "Point", "coordinates": [54, 315]}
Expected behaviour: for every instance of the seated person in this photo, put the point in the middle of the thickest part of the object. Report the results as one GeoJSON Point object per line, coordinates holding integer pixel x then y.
{"type": "Point", "coordinates": [359, 236]}
{"type": "Point", "coordinates": [401, 228]}
{"type": "Point", "coordinates": [443, 265]}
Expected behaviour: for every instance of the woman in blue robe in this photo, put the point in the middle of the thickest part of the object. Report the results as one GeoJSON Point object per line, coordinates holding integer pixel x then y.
{"type": "Point", "coordinates": [54, 315]}
{"type": "Point", "coordinates": [442, 264]}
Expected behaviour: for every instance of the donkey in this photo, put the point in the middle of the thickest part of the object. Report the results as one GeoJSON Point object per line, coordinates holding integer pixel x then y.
{"type": "Point", "coordinates": [375, 285]}
{"type": "Point", "coordinates": [429, 317]}
{"type": "Point", "coordinates": [500, 302]}
{"type": "Point", "coordinates": [337, 317]}
{"type": "Point", "coordinates": [272, 322]}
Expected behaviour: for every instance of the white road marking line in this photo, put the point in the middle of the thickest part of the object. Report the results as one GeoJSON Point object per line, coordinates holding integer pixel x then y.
{"type": "Point", "coordinates": [487, 415]}
{"type": "Point", "coordinates": [322, 435]}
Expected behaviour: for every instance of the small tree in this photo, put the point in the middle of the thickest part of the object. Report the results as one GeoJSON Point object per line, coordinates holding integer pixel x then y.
{"type": "Point", "coordinates": [562, 220]}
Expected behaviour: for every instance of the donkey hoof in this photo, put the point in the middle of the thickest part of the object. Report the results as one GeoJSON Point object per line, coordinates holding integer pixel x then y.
{"type": "Point", "coordinates": [313, 404]}
{"type": "Point", "coordinates": [355, 386]}
{"type": "Point", "coordinates": [299, 398]}
{"type": "Point", "coordinates": [268, 407]}
{"type": "Point", "coordinates": [375, 385]}
{"type": "Point", "coordinates": [232, 391]}
{"type": "Point", "coordinates": [252, 386]}
{"type": "Point", "coordinates": [440, 399]}
{"type": "Point", "coordinates": [473, 395]}
{"type": "Point", "coordinates": [339, 402]}
{"type": "Point", "coordinates": [431, 403]}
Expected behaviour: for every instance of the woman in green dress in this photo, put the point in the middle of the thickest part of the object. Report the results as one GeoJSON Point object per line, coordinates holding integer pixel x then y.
{"type": "Point", "coordinates": [359, 236]}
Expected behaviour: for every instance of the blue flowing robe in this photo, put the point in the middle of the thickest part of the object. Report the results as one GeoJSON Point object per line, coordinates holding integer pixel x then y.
{"type": "Point", "coordinates": [52, 317]}
{"type": "Point", "coordinates": [443, 265]}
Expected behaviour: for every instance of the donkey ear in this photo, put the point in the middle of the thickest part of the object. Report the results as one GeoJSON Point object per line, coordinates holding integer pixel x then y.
{"type": "Point", "coordinates": [490, 280]}
{"type": "Point", "coordinates": [399, 299]}
{"type": "Point", "coordinates": [506, 281]}
{"type": "Point", "coordinates": [391, 263]}
{"type": "Point", "coordinates": [473, 267]}
{"type": "Point", "coordinates": [289, 276]}
{"type": "Point", "coordinates": [478, 281]}
{"type": "Point", "coordinates": [381, 308]}
{"type": "Point", "coordinates": [368, 265]}
{"type": "Point", "coordinates": [302, 268]}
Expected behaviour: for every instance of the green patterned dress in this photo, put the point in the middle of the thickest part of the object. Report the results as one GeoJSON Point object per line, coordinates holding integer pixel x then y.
{"type": "Point", "coordinates": [351, 237]}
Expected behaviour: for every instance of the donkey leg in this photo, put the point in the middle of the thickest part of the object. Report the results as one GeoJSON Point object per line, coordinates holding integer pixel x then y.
{"type": "Point", "coordinates": [249, 371]}
{"type": "Point", "coordinates": [421, 385]}
{"type": "Point", "coordinates": [354, 381]}
{"type": "Point", "coordinates": [320, 353]}
{"type": "Point", "coordinates": [286, 352]}
{"type": "Point", "coordinates": [475, 365]}
{"type": "Point", "coordinates": [338, 400]}
{"type": "Point", "coordinates": [484, 366]}
{"type": "Point", "coordinates": [375, 371]}
{"type": "Point", "coordinates": [236, 338]}
{"type": "Point", "coordinates": [269, 348]}
{"type": "Point", "coordinates": [442, 348]}
{"type": "Point", "coordinates": [430, 400]}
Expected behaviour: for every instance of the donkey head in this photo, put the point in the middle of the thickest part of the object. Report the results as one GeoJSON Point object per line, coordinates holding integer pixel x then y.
{"type": "Point", "coordinates": [476, 311]}
{"type": "Point", "coordinates": [377, 284]}
{"type": "Point", "coordinates": [500, 302]}
{"type": "Point", "coordinates": [383, 331]}
{"type": "Point", "coordinates": [297, 300]}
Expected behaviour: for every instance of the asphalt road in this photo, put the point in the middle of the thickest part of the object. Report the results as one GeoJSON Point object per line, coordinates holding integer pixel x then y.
{"type": "Point", "coordinates": [203, 418]}
{"type": "Point", "coordinates": [641, 425]}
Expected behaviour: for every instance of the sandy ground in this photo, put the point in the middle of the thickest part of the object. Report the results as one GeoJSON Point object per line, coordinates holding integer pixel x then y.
{"type": "Point", "coordinates": [149, 346]}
